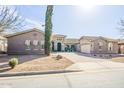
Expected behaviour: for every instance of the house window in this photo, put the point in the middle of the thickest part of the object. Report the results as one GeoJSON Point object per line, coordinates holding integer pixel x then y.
{"type": "Point", "coordinates": [27, 42]}
{"type": "Point", "coordinates": [110, 46]}
{"type": "Point", "coordinates": [35, 42]}
{"type": "Point", "coordinates": [100, 45]}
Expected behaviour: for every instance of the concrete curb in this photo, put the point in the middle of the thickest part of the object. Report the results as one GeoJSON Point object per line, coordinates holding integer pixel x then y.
{"type": "Point", "coordinates": [36, 73]}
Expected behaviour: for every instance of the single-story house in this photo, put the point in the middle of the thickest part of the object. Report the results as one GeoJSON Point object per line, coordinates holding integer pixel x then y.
{"type": "Point", "coordinates": [27, 42]}
{"type": "Point", "coordinates": [98, 45]}
{"type": "Point", "coordinates": [32, 42]}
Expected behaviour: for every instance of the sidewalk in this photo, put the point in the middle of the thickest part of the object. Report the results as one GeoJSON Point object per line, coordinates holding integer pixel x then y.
{"type": "Point", "coordinates": [104, 79]}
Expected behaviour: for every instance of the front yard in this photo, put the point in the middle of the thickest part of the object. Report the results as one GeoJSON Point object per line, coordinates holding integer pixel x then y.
{"type": "Point", "coordinates": [34, 63]}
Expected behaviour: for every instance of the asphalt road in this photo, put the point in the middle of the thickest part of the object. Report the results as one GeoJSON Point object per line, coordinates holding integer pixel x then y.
{"type": "Point", "coordinates": [99, 79]}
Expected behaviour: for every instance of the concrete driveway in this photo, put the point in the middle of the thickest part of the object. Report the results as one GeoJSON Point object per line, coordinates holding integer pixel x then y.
{"type": "Point", "coordinates": [91, 64]}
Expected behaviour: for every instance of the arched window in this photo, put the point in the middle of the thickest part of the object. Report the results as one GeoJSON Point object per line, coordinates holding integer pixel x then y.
{"type": "Point", "coordinates": [27, 42]}
{"type": "Point", "coordinates": [100, 45]}
{"type": "Point", "coordinates": [35, 42]}
{"type": "Point", "coordinates": [110, 46]}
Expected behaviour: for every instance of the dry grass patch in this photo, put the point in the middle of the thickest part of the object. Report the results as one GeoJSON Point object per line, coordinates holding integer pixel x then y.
{"type": "Point", "coordinates": [118, 59]}
{"type": "Point", "coordinates": [42, 64]}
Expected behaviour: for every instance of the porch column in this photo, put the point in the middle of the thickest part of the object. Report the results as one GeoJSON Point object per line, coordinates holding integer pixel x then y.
{"type": "Point", "coordinates": [63, 47]}
{"type": "Point", "coordinates": [55, 46]}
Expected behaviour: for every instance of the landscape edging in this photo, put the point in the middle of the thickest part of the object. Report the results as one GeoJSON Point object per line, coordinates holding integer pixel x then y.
{"type": "Point", "coordinates": [10, 74]}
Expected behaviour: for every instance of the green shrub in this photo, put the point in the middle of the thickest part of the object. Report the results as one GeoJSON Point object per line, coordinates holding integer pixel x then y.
{"type": "Point", "coordinates": [13, 62]}
{"type": "Point", "coordinates": [58, 57]}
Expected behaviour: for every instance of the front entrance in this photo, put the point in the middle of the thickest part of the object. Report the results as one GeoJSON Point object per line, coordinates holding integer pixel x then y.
{"type": "Point", "coordinates": [59, 46]}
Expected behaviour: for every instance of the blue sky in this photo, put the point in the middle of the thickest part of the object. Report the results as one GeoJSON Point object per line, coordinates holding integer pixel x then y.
{"type": "Point", "coordinates": [75, 21]}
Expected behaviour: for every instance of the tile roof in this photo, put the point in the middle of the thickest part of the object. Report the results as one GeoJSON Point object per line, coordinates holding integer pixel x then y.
{"type": "Point", "coordinates": [92, 38]}
{"type": "Point", "coordinates": [71, 40]}
{"type": "Point", "coordinates": [58, 35]}
{"type": "Point", "coordinates": [23, 32]}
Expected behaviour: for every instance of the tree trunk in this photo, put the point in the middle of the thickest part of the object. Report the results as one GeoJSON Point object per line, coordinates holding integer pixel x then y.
{"type": "Point", "coordinates": [48, 29]}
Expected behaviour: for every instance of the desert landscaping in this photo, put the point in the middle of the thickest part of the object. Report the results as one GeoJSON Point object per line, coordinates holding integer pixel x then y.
{"type": "Point", "coordinates": [34, 63]}
{"type": "Point", "coordinates": [118, 59]}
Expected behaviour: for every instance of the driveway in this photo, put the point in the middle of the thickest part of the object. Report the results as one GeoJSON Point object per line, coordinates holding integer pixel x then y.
{"type": "Point", "coordinates": [91, 64]}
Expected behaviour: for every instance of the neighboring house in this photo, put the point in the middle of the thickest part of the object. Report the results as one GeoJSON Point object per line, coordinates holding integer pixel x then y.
{"type": "Point", "coordinates": [121, 46]}
{"type": "Point", "coordinates": [27, 42]}
{"type": "Point", "coordinates": [3, 44]}
{"type": "Point", "coordinates": [97, 45]}
{"type": "Point", "coordinates": [32, 42]}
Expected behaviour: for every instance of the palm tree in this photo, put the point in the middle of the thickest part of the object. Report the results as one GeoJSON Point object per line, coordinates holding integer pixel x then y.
{"type": "Point", "coordinates": [48, 29]}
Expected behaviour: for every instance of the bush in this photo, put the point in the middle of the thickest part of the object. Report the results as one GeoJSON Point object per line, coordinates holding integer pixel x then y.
{"type": "Point", "coordinates": [13, 62]}
{"type": "Point", "coordinates": [58, 57]}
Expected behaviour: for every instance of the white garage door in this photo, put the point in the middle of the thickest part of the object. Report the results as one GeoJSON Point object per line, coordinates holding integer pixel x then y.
{"type": "Point", "coordinates": [85, 48]}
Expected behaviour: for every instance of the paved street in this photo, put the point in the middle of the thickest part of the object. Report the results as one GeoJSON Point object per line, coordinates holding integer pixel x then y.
{"type": "Point", "coordinates": [100, 79]}
{"type": "Point", "coordinates": [95, 73]}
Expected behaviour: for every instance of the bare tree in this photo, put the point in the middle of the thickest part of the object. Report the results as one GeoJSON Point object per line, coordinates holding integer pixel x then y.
{"type": "Point", "coordinates": [10, 19]}
{"type": "Point", "coordinates": [121, 27]}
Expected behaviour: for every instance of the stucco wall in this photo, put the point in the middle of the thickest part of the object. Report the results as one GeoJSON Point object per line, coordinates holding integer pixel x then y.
{"type": "Point", "coordinates": [121, 48]}
{"type": "Point", "coordinates": [89, 46]}
{"type": "Point", "coordinates": [17, 43]}
{"type": "Point", "coordinates": [96, 49]}
{"type": "Point", "coordinates": [115, 48]}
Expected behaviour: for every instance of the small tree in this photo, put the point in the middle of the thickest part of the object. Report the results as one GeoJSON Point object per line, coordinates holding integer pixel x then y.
{"type": "Point", "coordinates": [48, 29]}
{"type": "Point", "coordinates": [10, 19]}
{"type": "Point", "coordinates": [13, 62]}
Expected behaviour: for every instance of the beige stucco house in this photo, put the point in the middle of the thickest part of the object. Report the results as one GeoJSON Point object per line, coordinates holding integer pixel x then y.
{"type": "Point", "coordinates": [61, 43]}
{"type": "Point", "coordinates": [97, 45]}
{"type": "Point", "coordinates": [32, 42]}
